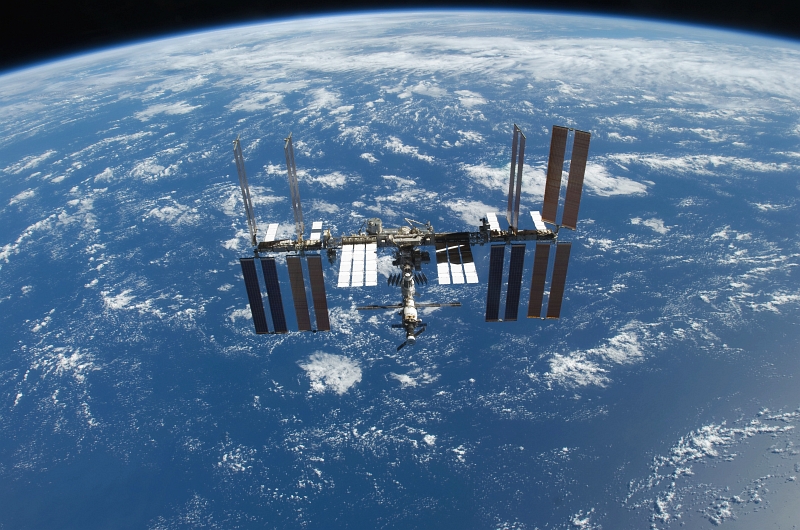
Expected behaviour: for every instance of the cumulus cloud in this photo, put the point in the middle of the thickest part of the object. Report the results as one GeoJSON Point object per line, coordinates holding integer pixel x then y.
{"type": "Point", "coordinates": [396, 145]}
{"type": "Point", "coordinates": [470, 212]}
{"type": "Point", "coordinates": [174, 214]}
{"type": "Point", "coordinates": [655, 224]}
{"type": "Point", "coordinates": [336, 373]}
{"type": "Point", "coordinates": [591, 367]}
{"type": "Point", "coordinates": [22, 196]}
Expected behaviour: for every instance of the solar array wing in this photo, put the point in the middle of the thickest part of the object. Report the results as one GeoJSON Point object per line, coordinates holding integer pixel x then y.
{"type": "Point", "coordinates": [248, 203]}
{"type": "Point", "coordinates": [577, 168]}
{"type": "Point", "coordinates": [537, 221]}
{"type": "Point", "coordinates": [559, 279]}
{"type": "Point", "coordinates": [540, 261]}
{"type": "Point", "coordinates": [298, 293]}
{"type": "Point", "coordinates": [494, 226]}
{"type": "Point", "coordinates": [555, 166]}
{"type": "Point", "coordinates": [274, 295]}
{"type": "Point", "coordinates": [358, 265]}
{"type": "Point", "coordinates": [496, 256]}
{"type": "Point", "coordinates": [469, 264]}
{"type": "Point", "coordinates": [345, 265]}
{"type": "Point", "coordinates": [316, 231]}
{"type": "Point", "coordinates": [272, 231]}
{"type": "Point", "coordinates": [291, 168]}
{"type": "Point", "coordinates": [456, 270]}
{"type": "Point", "coordinates": [514, 281]}
{"type": "Point", "coordinates": [518, 191]}
{"type": "Point", "coordinates": [254, 294]}
{"type": "Point", "coordinates": [441, 263]}
{"type": "Point", "coordinates": [371, 265]}
{"type": "Point", "coordinates": [512, 176]}
{"type": "Point", "coordinates": [318, 292]}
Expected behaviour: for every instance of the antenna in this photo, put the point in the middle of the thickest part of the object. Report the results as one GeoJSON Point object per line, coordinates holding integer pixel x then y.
{"type": "Point", "coordinates": [248, 204]}
{"type": "Point", "coordinates": [297, 209]}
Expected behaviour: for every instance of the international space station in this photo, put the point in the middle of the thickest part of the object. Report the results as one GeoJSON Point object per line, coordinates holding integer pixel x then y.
{"type": "Point", "coordinates": [358, 253]}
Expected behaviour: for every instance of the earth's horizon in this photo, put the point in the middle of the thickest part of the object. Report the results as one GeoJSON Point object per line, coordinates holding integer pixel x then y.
{"type": "Point", "coordinates": [136, 394]}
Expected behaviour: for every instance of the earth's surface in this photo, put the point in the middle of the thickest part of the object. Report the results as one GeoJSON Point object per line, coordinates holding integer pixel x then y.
{"type": "Point", "coordinates": [136, 395]}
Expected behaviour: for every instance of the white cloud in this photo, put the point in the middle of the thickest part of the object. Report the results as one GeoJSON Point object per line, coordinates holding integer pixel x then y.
{"type": "Point", "coordinates": [592, 366]}
{"type": "Point", "coordinates": [470, 99]}
{"type": "Point", "coordinates": [320, 206]}
{"type": "Point", "coordinates": [653, 223]}
{"type": "Point", "coordinates": [699, 164]}
{"type": "Point", "coordinates": [331, 372]}
{"type": "Point", "coordinates": [471, 212]}
{"type": "Point", "coordinates": [252, 102]}
{"type": "Point", "coordinates": [576, 370]}
{"type": "Point", "coordinates": [150, 169]}
{"type": "Point", "coordinates": [174, 214]}
{"type": "Point", "coordinates": [414, 378]}
{"type": "Point", "coordinates": [337, 179]}
{"type": "Point", "coordinates": [396, 145]}
{"type": "Point", "coordinates": [106, 175]}
{"type": "Point", "coordinates": [29, 162]}
{"type": "Point", "coordinates": [469, 137]}
{"type": "Point", "coordinates": [118, 301]}
{"type": "Point", "coordinates": [170, 109]}
{"type": "Point", "coordinates": [618, 137]}
{"type": "Point", "coordinates": [22, 196]}
{"type": "Point", "coordinates": [369, 157]}
{"type": "Point", "coordinates": [599, 181]}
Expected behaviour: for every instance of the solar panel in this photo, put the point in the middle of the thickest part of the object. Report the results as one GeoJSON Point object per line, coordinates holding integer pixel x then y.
{"type": "Point", "coordinates": [254, 295]}
{"type": "Point", "coordinates": [291, 169]}
{"type": "Point", "coordinates": [514, 281]}
{"type": "Point", "coordinates": [555, 166]}
{"type": "Point", "coordinates": [274, 295]}
{"type": "Point", "coordinates": [371, 265]}
{"type": "Point", "coordinates": [577, 168]}
{"type": "Point", "coordinates": [469, 265]}
{"type": "Point", "coordinates": [540, 261]}
{"type": "Point", "coordinates": [495, 280]}
{"type": "Point", "coordinates": [358, 265]}
{"type": "Point", "coordinates": [513, 174]}
{"type": "Point", "coordinates": [345, 264]}
{"type": "Point", "coordinates": [318, 292]}
{"type": "Point", "coordinates": [456, 270]}
{"type": "Point", "coordinates": [298, 293]}
{"type": "Point", "coordinates": [272, 231]}
{"type": "Point", "coordinates": [559, 279]}
{"type": "Point", "coordinates": [493, 224]}
{"type": "Point", "coordinates": [316, 231]}
{"type": "Point", "coordinates": [248, 203]}
{"type": "Point", "coordinates": [537, 221]}
{"type": "Point", "coordinates": [442, 268]}
{"type": "Point", "coordinates": [515, 215]}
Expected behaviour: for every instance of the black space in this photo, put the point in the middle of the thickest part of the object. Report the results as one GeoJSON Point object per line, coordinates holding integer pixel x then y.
{"type": "Point", "coordinates": [38, 30]}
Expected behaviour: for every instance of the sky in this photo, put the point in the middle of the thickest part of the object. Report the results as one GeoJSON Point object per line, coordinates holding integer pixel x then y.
{"type": "Point", "coordinates": [41, 30]}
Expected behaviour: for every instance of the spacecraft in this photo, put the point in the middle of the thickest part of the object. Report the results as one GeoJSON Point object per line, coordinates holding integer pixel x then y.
{"type": "Point", "coordinates": [357, 254]}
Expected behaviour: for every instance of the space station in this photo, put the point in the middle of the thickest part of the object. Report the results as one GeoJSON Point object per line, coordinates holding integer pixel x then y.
{"type": "Point", "coordinates": [354, 258]}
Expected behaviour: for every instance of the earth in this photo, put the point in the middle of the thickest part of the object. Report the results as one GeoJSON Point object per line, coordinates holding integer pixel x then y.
{"type": "Point", "coordinates": [135, 393]}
